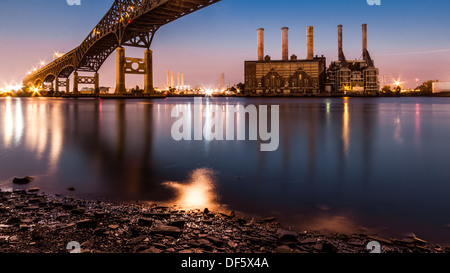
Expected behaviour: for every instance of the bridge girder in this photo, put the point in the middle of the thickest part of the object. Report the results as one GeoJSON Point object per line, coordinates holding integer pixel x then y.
{"type": "Point", "coordinates": [127, 23]}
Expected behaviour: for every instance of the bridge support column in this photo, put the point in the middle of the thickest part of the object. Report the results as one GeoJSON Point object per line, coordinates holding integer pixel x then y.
{"type": "Point", "coordinates": [56, 84]}
{"type": "Point", "coordinates": [120, 71]}
{"type": "Point", "coordinates": [75, 82]}
{"type": "Point", "coordinates": [96, 83]}
{"type": "Point", "coordinates": [67, 85]}
{"type": "Point", "coordinates": [148, 77]}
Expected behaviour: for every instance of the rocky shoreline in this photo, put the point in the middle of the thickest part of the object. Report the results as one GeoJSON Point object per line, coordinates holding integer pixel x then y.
{"type": "Point", "coordinates": [33, 222]}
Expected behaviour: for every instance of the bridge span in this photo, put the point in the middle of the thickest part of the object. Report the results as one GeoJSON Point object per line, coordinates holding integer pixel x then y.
{"type": "Point", "coordinates": [127, 23]}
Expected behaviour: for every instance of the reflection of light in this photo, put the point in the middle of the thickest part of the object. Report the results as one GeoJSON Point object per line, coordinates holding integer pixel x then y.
{"type": "Point", "coordinates": [346, 129]}
{"type": "Point", "coordinates": [398, 129]}
{"type": "Point", "coordinates": [417, 123]}
{"type": "Point", "coordinates": [328, 107]}
{"type": "Point", "coordinates": [8, 122]}
{"type": "Point", "coordinates": [19, 126]}
{"type": "Point", "coordinates": [56, 123]}
{"type": "Point", "coordinates": [198, 193]}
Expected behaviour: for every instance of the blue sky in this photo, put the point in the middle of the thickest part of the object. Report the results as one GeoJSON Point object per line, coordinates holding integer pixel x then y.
{"type": "Point", "coordinates": [408, 39]}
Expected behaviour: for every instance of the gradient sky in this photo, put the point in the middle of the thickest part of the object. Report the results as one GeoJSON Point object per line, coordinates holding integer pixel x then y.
{"type": "Point", "coordinates": [408, 39]}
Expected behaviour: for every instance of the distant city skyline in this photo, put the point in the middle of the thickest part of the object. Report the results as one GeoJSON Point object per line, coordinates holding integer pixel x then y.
{"type": "Point", "coordinates": [408, 40]}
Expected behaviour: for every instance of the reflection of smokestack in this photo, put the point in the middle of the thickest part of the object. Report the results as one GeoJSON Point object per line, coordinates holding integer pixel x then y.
{"type": "Point", "coordinates": [285, 43]}
{"type": "Point", "coordinates": [340, 47]}
{"type": "Point", "coordinates": [364, 37]}
{"type": "Point", "coordinates": [260, 44]}
{"type": "Point", "coordinates": [310, 43]}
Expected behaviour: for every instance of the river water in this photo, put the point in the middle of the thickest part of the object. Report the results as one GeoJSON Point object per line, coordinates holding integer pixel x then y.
{"type": "Point", "coordinates": [342, 163]}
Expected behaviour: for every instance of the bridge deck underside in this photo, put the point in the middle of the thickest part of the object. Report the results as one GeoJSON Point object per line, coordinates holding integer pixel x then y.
{"type": "Point", "coordinates": [138, 31]}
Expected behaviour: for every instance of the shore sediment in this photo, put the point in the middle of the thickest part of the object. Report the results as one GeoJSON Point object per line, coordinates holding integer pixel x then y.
{"type": "Point", "coordinates": [33, 222]}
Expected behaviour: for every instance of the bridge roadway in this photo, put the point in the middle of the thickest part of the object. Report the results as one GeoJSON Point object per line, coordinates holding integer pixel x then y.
{"type": "Point", "coordinates": [127, 23]}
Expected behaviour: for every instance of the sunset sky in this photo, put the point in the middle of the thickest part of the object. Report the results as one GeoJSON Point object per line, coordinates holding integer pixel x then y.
{"type": "Point", "coordinates": [408, 39]}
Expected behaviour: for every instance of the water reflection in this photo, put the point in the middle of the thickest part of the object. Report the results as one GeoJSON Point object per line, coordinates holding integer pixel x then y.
{"type": "Point", "coordinates": [197, 192]}
{"type": "Point", "coordinates": [348, 155]}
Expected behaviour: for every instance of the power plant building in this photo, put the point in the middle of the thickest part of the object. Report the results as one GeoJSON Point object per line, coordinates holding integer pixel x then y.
{"type": "Point", "coordinates": [310, 76]}
{"type": "Point", "coordinates": [344, 76]}
{"type": "Point", "coordinates": [286, 76]}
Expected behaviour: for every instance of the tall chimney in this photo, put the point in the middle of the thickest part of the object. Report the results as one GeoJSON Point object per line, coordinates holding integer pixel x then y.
{"type": "Point", "coordinates": [364, 27]}
{"type": "Point", "coordinates": [340, 47]}
{"type": "Point", "coordinates": [310, 45]}
{"type": "Point", "coordinates": [168, 78]}
{"type": "Point", "coordinates": [260, 44]}
{"type": "Point", "coordinates": [285, 43]}
{"type": "Point", "coordinates": [172, 82]}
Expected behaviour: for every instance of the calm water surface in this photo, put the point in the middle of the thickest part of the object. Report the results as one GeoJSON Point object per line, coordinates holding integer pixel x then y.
{"type": "Point", "coordinates": [381, 163]}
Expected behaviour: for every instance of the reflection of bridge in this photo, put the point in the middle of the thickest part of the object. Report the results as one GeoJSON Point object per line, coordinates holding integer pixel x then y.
{"type": "Point", "coordinates": [128, 23]}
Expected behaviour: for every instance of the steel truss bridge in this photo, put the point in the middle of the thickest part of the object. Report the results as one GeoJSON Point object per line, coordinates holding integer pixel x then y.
{"type": "Point", "coordinates": [128, 23]}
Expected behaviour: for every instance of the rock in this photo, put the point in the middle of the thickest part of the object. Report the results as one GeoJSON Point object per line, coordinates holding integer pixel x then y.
{"type": "Point", "coordinates": [32, 208]}
{"type": "Point", "coordinates": [269, 219]}
{"type": "Point", "coordinates": [87, 223]}
{"type": "Point", "coordinates": [23, 227]}
{"type": "Point", "coordinates": [284, 249]}
{"type": "Point", "coordinates": [329, 248]}
{"type": "Point", "coordinates": [309, 241]}
{"type": "Point", "coordinates": [33, 190]}
{"type": "Point", "coordinates": [36, 235]}
{"type": "Point", "coordinates": [379, 239]}
{"type": "Point", "coordinates": [229, 214]}
{"type": "Point", "coordinates": [78, 211]}
{"type": "Point", "coordinates": [23, 181]}
{"type": "Point", "coordinates": [137, 240]}
{"type": "Point", "coordinates": [178, 223]}
{"type": "Point", "coordinates": [71, 189]}
{"type": "Point", "coordinates": [99, 231]}
{"type": "Point", "coordinates": [206, 211]}
{"type": "Point", "coordinates": [318, 247]}
{"type": "Point", "coordinates": [145, 222]}
{"type": "Point", "coordinates": [13, 221]}
{"type": "Point", "coordinates": [286, 237]}
{"type": "Point", "coordinates": [68, 206]}
{"type": "Point", "coordinates": [113, 227]}
{"type": "Point", "coordinates": [152, 250]}
{"type": "Point", "coordinates": [419, 241]}
{"type": "Point", "coordinates": [156, 215]}
{"type": "Point", "coordinates": [217, 242]}
{"type": "Point", "coordinates": [167, 230]}
{"type": "Point", "coordinates": [100, 214]}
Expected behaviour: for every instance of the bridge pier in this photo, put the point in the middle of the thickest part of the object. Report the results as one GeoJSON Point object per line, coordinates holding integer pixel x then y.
{"type": "Point", "coordinates": [148, 77]}
{"type": "Point", "coordinates": [120, 73]}
{"type": "Point", "coordinates": [75, 82]}
{"type": "Point", "coordinates": [125, 66]}
{"type": "Point", "coordinates": [56, 85]}
{"type": "Point", "coordinates": [96, 83]}
{"type": "Point", "coordinates": [67, 85]}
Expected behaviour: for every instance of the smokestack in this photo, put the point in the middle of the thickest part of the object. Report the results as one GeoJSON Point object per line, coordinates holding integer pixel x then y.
{"type": "Point", "coordinates": [340, 47]}
{"type": "Point", "coordinates": [182, 80]}
{"type": "Point", "coordinates": [364, 28]}
{"type": "Point", "coordinates": [172, 82]}
{"type": "Point", "coordinates": [168, 78]}
{"type": "Point", "coordinates": [310, 45]}
{"type": "Point", "coordinates": [178, 80]}
{"type": "Point", "coordinates": [260, 44]}
{"type": "Point", "coordinates": [285, 43]}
